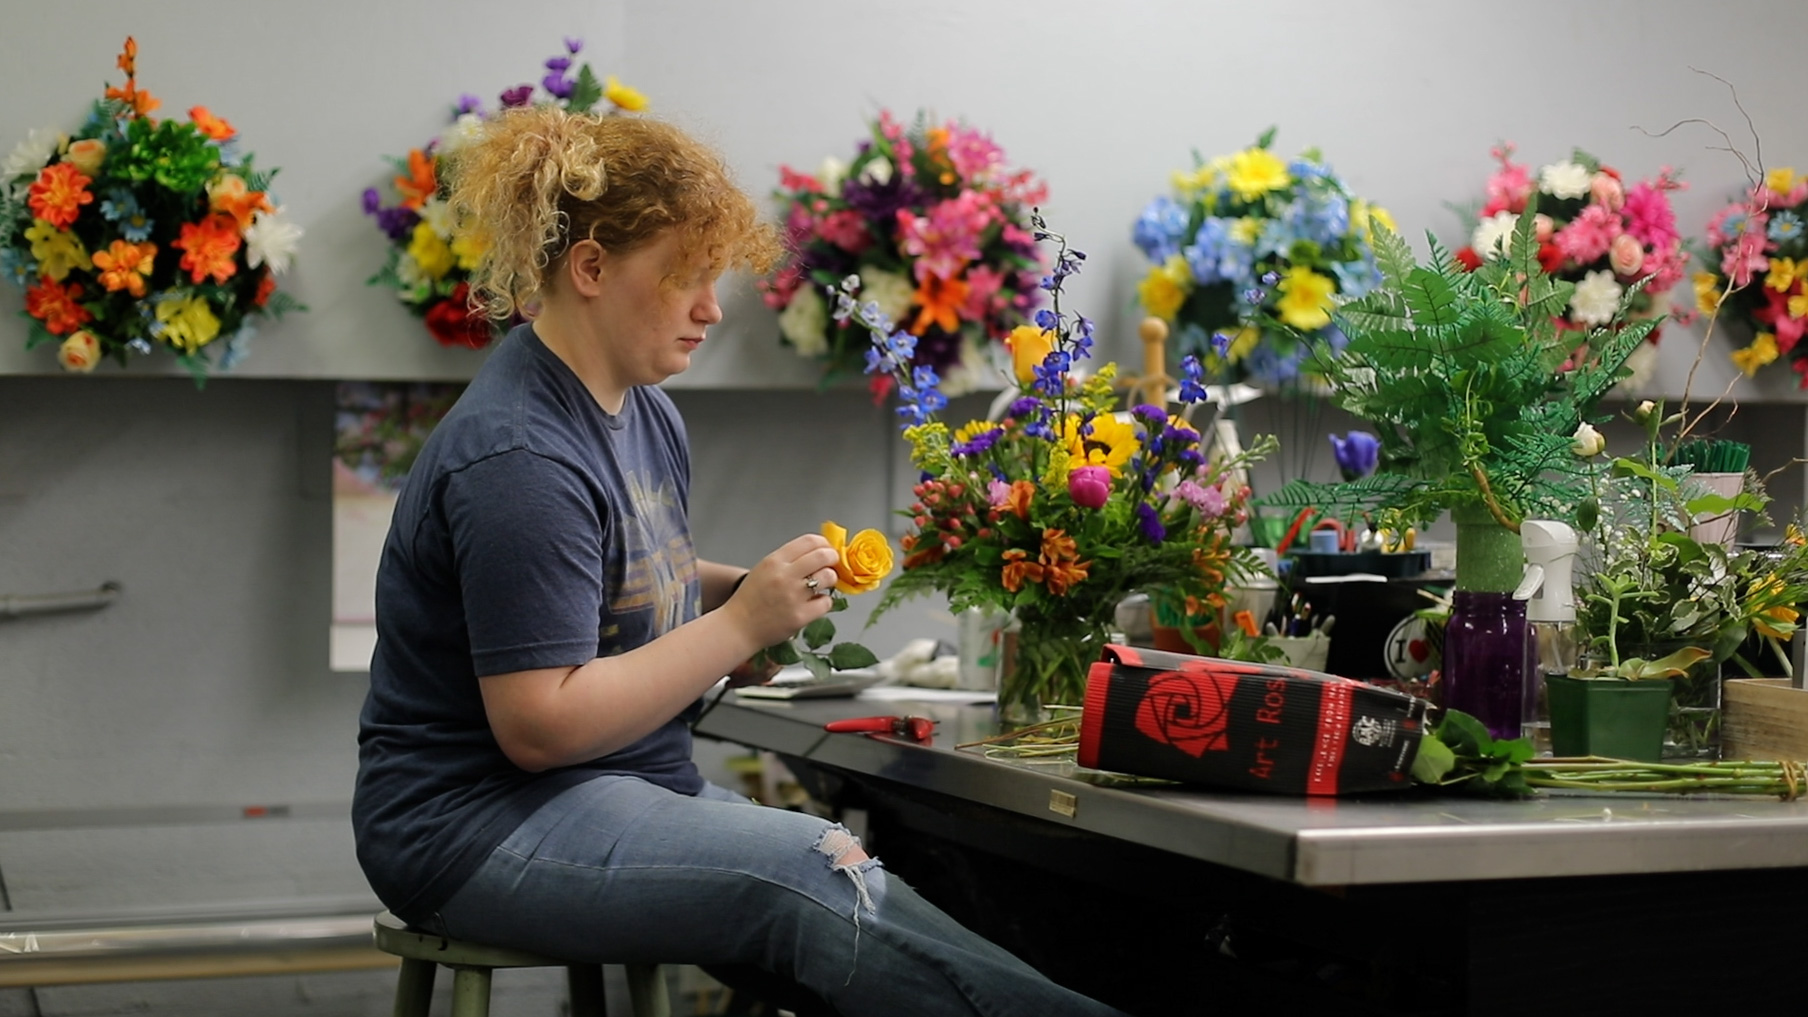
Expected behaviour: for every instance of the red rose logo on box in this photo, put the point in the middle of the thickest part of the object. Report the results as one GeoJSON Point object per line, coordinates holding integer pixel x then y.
{"type": "Point", "coordinates": [1188, 711]}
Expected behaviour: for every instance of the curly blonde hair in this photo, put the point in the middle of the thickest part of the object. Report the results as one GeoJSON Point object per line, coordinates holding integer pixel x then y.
{"type": "Point", "coordinates": [539, 179]}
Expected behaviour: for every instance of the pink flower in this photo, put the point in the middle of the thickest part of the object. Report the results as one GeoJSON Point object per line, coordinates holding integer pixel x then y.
{"type": "Point", "coordinates": [1745, 256]}
{"type": "Point", "coordinates": [1017, 236]}
{"type": "Point", "coordinates": [1510, 186]}
{"type": "Point", "coordinates": [998, 494]}
{"type": "Point", "coordinates": [845, 229]}
{"type": "Point", "coordinates": [1666, 267]}
{"type": "Point", "coordinates": [1606, 189]}
{"type": "Point", "coordinates": [1648, 215]}
{"type": "Point", "coordinates": [983, 284]}
{"type": "Point", "coordinates": [777, 291]}
{"type": "Point", "coordinates": [948, 237]}
{"type": "Point", "coordinates": [974, 155]}
{"type": "Point", "coordinates": [1089, 486]}
{"type": "Point", "coordinates": [1625, 254]}
{"type": "Point", "coordinates": [1208, 499]}
{"type": "Point", "coordinates": [792, 180]}
{"type": "Point", "coordinates": [1542, 227]}
{"type": "Point", "coordinates": [1587, 237]}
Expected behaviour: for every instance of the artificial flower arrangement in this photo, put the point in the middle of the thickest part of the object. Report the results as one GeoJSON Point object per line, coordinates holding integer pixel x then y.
{"type": "Point", "coordinates": [1057, 511]}
{"type": "Point", "coordinates": [1590, 228]}
{"type": "Point", "coordinates": [1758, 270]}
{"type": "Point", "coordinates": [429, 265]}
{"type": "Point", "coordinates": [935, 226]}
{"type": "Point", "coordinates": [134, 233]}
{"type": "Point", "coordinates": [1259, 250]}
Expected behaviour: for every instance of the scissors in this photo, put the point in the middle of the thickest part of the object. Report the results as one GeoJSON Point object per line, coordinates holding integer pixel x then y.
{"type": "Point", "coordinates": [917, 729]}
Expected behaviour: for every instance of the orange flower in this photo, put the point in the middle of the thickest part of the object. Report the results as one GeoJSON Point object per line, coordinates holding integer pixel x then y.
{"type": "Point", "coordinates": [1018, 501]}
{"type": "Point", "coordinates": [941, 301]}
{"type": "Point", "coordinates": [141, 103]}
{"type": "Point", "coordinates": [1060, 577]}
{"type": "Point", "coordinates": [128, 57]}
{"type": "Point", "coordinates": [265, 287]}
{"type": "Point", "coordinates": [420, 183]}
{"type": "Point", "coordinates": [230, 195]}
{"type": "Point", "coordinates": [1058, 546]}
{"type": "Point", "coordinates": [1016, 570]}
{"type": "Point", "coordinates": [210, 125]}
{"type": "Point", "coordinates": [59, 193]}
{"type": "Point", "coordinates": [211, 245]}
{"type": "Point", "coordinates": [56, 306]}
{"type": "Point", "coordinates": [124, 266]}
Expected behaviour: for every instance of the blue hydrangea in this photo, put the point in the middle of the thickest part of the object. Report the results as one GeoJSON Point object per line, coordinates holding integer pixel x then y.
{"type": "Point", "coordinates": [1161, 229]}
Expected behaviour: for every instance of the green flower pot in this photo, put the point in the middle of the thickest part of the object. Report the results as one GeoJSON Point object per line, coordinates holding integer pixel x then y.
{"type": "Point", "coordinates": [1608, 717]}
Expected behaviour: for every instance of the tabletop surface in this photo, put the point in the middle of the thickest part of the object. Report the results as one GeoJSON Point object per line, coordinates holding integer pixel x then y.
{"type": "Point", "coordinates": [1409, 838]}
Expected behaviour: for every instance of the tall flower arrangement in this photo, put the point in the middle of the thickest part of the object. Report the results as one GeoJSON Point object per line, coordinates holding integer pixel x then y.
{"type": "Point", "coordinates": [1059, 509]}
{"type": "Point", "coordinates": [1593, 229]}
{"type": "Point", "coordinates": [1251, 254]}
{"type": "Point", "coordinates": [135, 233]}
{"type": "Point", "coordinates": [1757, 269]}
{"type": "Point", "coordinates": [428, 264]}
{"type": "Point", "coordinates": [934, 224]}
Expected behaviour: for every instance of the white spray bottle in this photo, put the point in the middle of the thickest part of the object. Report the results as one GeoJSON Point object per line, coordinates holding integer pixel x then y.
{"type": "Point", "coordinates": [1548, 589]}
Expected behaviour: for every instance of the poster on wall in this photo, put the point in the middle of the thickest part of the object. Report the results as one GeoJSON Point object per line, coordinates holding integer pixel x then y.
{"type": "Point", "coordinates": [378, 430]}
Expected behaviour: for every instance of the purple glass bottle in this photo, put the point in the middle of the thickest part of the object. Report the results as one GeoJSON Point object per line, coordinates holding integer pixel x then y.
{"type": "Point", "coordinates": [1487, 656]}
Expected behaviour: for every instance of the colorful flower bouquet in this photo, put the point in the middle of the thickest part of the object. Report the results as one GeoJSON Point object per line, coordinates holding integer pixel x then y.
{"type": "Point", "coordinates": [1251, 255]}
{"type": "Point", "coordinates": [935, 227]}
{"type": "Point", "coordinates": [429, 265]}
{"type": "Point", "coordinates": [1593, 230]}
{"type": "Point", "coordinates": [1758, 269]}
{"type": "Point", "coordinates": [134, 233]}
{"type": "Point", "coordinates": [1060, 509]}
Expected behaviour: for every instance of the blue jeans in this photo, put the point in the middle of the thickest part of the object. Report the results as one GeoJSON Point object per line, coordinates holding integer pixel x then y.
{"type": "Point", "coordinates": [621, 870]}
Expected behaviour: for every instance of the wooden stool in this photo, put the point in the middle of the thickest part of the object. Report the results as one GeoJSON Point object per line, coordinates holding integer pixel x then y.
{"type": "Point", "coordinates": [471, 964]}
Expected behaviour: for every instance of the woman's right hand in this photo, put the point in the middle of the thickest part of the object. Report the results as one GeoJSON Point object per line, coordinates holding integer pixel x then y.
{"type": "Point", "coordinates": [787, 590]}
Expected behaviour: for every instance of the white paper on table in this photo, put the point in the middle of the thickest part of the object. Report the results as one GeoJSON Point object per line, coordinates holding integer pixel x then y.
{"type": "Point", "coordinates": [901, 693]}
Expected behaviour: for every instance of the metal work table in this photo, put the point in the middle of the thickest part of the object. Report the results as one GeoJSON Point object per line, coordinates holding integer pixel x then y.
{"type": "Point", "coordinates": [1413, 904]}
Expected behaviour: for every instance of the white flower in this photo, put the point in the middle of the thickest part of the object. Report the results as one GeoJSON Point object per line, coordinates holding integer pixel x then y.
{"type": "Point", "coordinates": [1565, 180]}
{"type": "Point", "coordinates": [30, 156]}
{"type": "Point", "coordinates": [831, 173]}
{"type": "Point", "coordinates": [890, 290]}
{"type": "Point", "coordinates": [271, 239]}
{"type": "Point", "coordinates": [805, 322]}
{"type": "Point", "coordinates": [438, 217]}
{"type": "Point", "coordinates": [1587, 441]}
{"type": "Point", "coordinates": [1596, 300]}
{"type": "Point", "coordinates": [415, 284]}
{"type": "Point", "coordinates": [876, 172]}
{"type": "Point", "coordinates": [463, 131]}
{"type": "Point", "coordinates": [1494, 232]}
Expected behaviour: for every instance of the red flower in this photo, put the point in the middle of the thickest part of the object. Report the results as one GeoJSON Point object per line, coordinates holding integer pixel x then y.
{"type": "Point", "coordinates": [266, 285]}
{"type": "Point", "coordinates": [57, 306]}
{"type": "Point", "coordinates": [453, 323]}
{"type": "Point", "coordinates": [1467, 258]}
{"type": "Point", "coordinates": [1549, 257]}
{"type": "Point", "coordinates": [1188, 711]}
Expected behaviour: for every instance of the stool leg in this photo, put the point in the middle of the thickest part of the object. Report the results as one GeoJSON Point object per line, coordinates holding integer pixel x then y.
{"type": "Point", "coordinates": [586, 983]}
{"type": "Point", "coordinates": [414, 988]}
{"type": "Point", "coordinates": [470, 992]}
{"type": "Point", "coordinates": [646, 991]}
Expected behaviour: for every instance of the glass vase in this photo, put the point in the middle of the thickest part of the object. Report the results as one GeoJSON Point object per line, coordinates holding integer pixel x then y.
{"type": "Point", "coordinates": [1487, 646]}
{"type": "Point", "coordinates": [1045, 664]}
{"type": "Point", "coordinates": [1695, 714]}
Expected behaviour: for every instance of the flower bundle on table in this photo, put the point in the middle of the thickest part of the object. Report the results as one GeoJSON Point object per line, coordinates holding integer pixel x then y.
{"type": "Point", "coordinates": [1758, 262]}
{"type": "Point", "coordinates": [935, 227]}
{"type": "Point", "coordinates": [429, 264]}
{"type": "Point", "coordinates": [1061, 508]}
{"type": "Point", "coordinates": [1592, 229]}
{"type": "Point", "coordinates": [1252, 253]}
{"type": "Point", "coordinates": [134, 233]}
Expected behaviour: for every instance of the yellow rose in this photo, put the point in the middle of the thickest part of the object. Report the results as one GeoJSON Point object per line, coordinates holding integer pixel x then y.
{"type": "Point", "coordinates": [86, 155]}
{"type": "Point", "coordinates": [865, 560]}
{"type": "Point", "coordinates": [1029, 346]}
{"type": "Point", "coordinates": [79, 353]}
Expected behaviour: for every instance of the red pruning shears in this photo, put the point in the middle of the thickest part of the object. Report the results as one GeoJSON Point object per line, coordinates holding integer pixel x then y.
{"type": "Point", "coordinates": [917, 729]}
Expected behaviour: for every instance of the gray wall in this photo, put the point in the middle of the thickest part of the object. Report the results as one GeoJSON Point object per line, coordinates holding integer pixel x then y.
{"type": "Point", "coordinates": [204, 689]}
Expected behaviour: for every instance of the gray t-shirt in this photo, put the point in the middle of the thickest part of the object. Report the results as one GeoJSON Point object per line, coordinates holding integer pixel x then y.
{"type": "Point", "coordinates": [534, 530]}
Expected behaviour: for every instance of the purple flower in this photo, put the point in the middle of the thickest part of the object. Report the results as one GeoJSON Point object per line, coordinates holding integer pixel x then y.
{"type": "Point", "coordinates": [1023, 407]}
{"type": "Point", "coordinates": [881, 202]}
{"type": "Point", "coordinates": [557, 85]}
{"type": "Point", "coordinates": [1192, 388]}
{"type": "Point", "coordinates": [1357, 454]}
{"type": "Point", "coordinates": [1150, 414]}
{"type": "Point", "coordinates": [560, 64]}
{"type": "Point", "coordinates": [1149, 521]}
{"type": "Point", "coordinates": [397, 222]}
{"type": "Point", "coordinates": [371, 201]}
{"type": "Point", "coordinates": [980, 443]}
{"type": "Point", "coordinates": [1208, 500]}
{"type": "Point", "coordinates": [468, 103]}
{"type": "Point", "coordinates": [1090, 487]}
{"type": "Point", "coordinates": [572, 45]}
{"type": "Point", "coordinates": [517, 96]}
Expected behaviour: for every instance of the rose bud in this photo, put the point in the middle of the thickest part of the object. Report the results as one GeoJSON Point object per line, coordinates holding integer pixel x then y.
{"type": "Point", "coordinates": [1607, 191]}
{"type": "Point", "coordinates": [80, 352]}
{"type": "Point", "coordinates": [1089, 486]}
{"type": "Point", "coordinates": [1626, 254]}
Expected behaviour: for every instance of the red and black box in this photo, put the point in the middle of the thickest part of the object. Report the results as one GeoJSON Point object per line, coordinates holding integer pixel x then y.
{"type": "Point", "coordinates": [1235, 724]}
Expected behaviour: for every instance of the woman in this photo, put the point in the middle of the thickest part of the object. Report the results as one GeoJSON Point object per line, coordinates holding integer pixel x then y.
{"type": "Point", "coordinates": [545, 630]}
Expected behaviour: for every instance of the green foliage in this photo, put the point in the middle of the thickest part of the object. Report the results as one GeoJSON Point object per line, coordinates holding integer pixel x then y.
{"type": "Point", "coordinates": [585, 91]}
{"type": "Point", "coordinates": [1461, 376]}
{"type": "Point", "coordinates": [1459, 752]}
{"type": "Point", "coordinates": [806, 647]}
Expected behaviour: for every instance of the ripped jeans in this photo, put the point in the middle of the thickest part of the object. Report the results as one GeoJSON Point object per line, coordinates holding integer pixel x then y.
{"type": "Point", "coordinates": [621, 870]}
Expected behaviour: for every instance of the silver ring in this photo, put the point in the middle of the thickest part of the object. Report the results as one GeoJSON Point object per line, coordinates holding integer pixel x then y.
{"type": "Point", "coordinates": [811, 584]}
